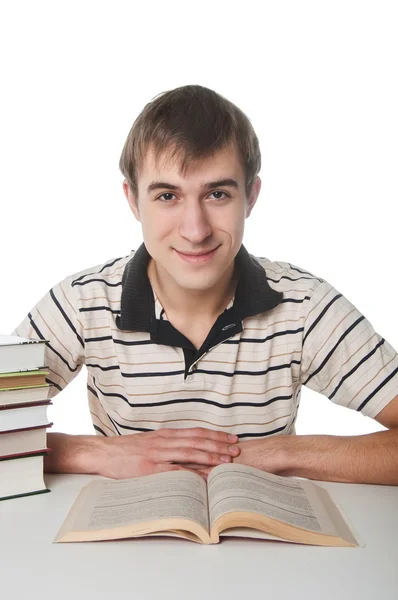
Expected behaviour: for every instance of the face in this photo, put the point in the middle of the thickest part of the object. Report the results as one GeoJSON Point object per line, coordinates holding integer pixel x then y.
{"type": "Point", "coordinates": [193, 226]}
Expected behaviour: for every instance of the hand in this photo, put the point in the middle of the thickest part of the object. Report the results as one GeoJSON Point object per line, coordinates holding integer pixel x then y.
{"type": "Point", "coordinates": [267, 454]}
{"type": "Point", "coordinates": [151, 452]}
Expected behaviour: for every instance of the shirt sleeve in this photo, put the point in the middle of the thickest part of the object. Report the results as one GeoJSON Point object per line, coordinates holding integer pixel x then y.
{"type": "Point", "coordinates": [343, 357]}
{"type": "Point", "coordinates": [55, 318]}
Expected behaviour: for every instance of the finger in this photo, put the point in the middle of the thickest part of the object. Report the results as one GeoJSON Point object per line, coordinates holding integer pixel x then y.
{"type": "Point", "coordinates": [204, 444]}
{"type": "Point", "coordinates": [187, 455]}
{"type": "Point", "coordinates": [210, 434]}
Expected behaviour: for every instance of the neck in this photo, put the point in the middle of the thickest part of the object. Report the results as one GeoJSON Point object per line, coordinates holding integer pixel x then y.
{"type": "Point", "coordinates": [204, 305]}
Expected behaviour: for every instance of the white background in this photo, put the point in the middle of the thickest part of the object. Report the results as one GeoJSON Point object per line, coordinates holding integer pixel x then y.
{"type": "Point", "coordinates": [318, 81]}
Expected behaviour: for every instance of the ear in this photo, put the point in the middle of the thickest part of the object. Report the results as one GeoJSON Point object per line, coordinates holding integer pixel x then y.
{"type": "Point", "coordinates": [132, 200]}
{"type": "Point", "coordinates": [253, 195]}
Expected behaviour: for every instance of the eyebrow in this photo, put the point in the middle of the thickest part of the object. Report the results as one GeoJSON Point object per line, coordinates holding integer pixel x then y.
{"type": "Point", "coordinates": [156, 185]}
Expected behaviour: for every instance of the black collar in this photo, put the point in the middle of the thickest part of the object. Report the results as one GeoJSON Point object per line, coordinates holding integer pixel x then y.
{"type": "Point", "coordinates": [253, 294]}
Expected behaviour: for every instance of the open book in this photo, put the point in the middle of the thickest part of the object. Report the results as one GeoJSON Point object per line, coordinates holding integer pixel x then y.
{"type": "Point", "coordinates": [237, 500]}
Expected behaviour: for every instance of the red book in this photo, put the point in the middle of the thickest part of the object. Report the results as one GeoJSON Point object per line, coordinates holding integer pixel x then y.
{"type": "Point", "coordinates": [28, 395]}
{"type": "Point", "coordinates": [24, 416]}
{"type": "Point", "coordinates": [19, 442]}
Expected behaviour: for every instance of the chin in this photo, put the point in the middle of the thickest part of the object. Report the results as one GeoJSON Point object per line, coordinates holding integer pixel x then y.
{"type": "Point", "coordinates": [196, 286]}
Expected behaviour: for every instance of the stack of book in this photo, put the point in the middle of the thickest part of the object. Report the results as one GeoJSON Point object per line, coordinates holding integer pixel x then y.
{"type": "Point", "coordinates": [24, 395]}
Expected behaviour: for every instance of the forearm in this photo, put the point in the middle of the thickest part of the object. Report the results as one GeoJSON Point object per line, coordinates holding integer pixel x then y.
{"type": "Point", "coordinates": [146, 453]}
{"type": "Point", "coordinates": [371, 458]}
{"type": "Point", "coordinates": [73, 453]}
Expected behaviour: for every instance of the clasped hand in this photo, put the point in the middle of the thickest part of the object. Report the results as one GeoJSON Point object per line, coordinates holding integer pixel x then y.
{"type": "Point", "coordinates": [197, 449]}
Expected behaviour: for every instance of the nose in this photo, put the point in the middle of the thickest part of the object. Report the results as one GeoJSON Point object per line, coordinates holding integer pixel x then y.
{"type": "Point", "coordinates": [194, 224]}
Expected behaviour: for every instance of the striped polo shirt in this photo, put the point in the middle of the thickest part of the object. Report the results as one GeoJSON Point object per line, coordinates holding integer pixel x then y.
{"type": "Point", "coordinates": [283, 329]}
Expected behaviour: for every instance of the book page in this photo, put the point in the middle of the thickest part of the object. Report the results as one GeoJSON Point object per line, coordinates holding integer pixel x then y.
{"type": "Point", "coordinates": [111, 503]}
{"type": "Point", "coordinates": [6, 340]}
{"type": "Point", "coordinates": [239, 488]}
{"type": "Point", "coordinates": [248, 532]}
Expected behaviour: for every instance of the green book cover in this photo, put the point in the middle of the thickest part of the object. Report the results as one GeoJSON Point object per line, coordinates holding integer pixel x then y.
{"type": "Point", "coordinates": [24, 373]}
{"type": "Point", "coordinates": [24, 387]}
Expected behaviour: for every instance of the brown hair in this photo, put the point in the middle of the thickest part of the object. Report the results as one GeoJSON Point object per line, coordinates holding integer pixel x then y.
{"type": "Point", "coordinates": [194, 122]}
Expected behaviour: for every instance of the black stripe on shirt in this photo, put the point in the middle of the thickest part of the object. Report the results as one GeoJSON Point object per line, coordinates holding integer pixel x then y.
{"type": "Point", "coordinates": [305, 272]}
{"type": "Point", "coordinates": [263, 434]}
{"type": "Point", "coordinates": [67, 319]}
{"type": "Point", "coordinates": [289, 278]}
{"type": "Point", "coordinates": [328, 356]}
{"type": "Point", "coordinates": [253, 373]}
{"type": "Point", "coordinates": [114, 424]}
{"type": "Point", "coordinates": [96, 308]}
{"type": "Point", "coordinates": [383, 383]}
{"type": "Point", "coordinates": [240, 435]}
{"type": "Point", "coordinates": [248, 340]}
{"type": "Point", "coordinates": [315, 323]}
{"type": "Point", "coordinates": [188, 400]}
{"type": "Point", "coordinates": [105, 338]}
{"type": "Point", "coordinates": [99, 429]}
{"type": "Point", "coordinates": [154, 374]}
{"type": "Point", "coordinates": [92, 391]}
{"type": "Point", "coordinates": [111, 368]}
{"type": "Point", "coordinates": [100, 271]}
{"type": "Point", "coordinates": [364, 359]}
{"type": "Point", "coordinates": [39, 333]}
{"type": "Point", "coordinates": [296, 300]}
{"type": "Point", "coordinates": [100, 280]}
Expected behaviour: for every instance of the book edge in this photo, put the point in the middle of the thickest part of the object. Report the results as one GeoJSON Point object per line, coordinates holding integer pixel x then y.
{"type": "Point", "coordinates": [34, 493]}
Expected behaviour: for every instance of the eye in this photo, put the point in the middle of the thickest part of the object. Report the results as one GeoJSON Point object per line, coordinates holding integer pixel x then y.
{"type": "Point", "coordinates": [164, 199]}
{"type": "Point", "coordinates": [220, 192]}
{"type": "Point", "coordinates": [165, 194]}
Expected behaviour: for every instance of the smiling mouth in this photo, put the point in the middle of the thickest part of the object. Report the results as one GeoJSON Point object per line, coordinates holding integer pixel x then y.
{"type": "Point", "coordinates": [194, 254]}
{"type": "Point", "coordinates": [201, 258]}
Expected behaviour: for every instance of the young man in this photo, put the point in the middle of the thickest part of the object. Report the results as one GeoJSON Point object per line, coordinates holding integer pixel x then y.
{"type": "Point", "coordinates": [198, 348]}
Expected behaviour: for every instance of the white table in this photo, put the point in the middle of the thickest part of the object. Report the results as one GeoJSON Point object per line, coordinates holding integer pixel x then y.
{"type": "Point", "coordinates": [32, 567]}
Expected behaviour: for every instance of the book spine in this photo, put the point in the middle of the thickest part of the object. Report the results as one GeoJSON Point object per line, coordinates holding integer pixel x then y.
{"type": "Point", "coordinates": [27, 387]}
{"type": "Point", "coordinates": [25, 405]}
{"type": "Point", "coordinates": [42, 452]}
{"type": "Point", "coordinates": [24, 455]}
{"type": "Point", "coordinates": [46, 426]}
{"type": "Point", "coordinates": [32, 372]}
